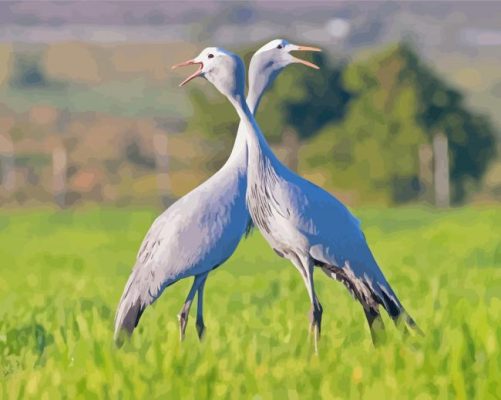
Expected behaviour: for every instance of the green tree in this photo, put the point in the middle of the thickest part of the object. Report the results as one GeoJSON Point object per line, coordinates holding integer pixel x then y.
{"type": "Point", "coordinates": [398, 104]}
{"type": "Point", "coordinates": [472, 138]}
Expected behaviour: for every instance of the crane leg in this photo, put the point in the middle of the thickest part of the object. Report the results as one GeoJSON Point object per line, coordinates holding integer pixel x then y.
{"type": "Point", "coordinates": [376, 326]}
{"type": "Point", "coordinates": [185, 310]}
{"type": "Point", "coordinates": [305, 268]}
{"type": "Point", "coordinates": [200, 311]}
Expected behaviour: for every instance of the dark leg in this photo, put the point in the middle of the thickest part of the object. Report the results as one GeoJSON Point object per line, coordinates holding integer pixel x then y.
{"type": "Point", "coordinates": [376, 326]}
{"type": "Point", "coordinates": [200, 313]}
{"type": "Point", "coordinates": [185, 310]}
{"type": "Point", "coordinates": [316, 321]}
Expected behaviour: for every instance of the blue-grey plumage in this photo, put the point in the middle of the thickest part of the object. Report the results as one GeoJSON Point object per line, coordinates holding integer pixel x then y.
{"type": "Point", "coordinates": [307, 225]}
{"type": "Point", "coordinates": [201, 230]}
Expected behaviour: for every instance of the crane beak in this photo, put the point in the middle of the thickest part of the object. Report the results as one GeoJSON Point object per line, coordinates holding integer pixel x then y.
{"type": "Point", "coordinates": [304, 62]}
{"type": "Point", "coordinates": [198, 72]}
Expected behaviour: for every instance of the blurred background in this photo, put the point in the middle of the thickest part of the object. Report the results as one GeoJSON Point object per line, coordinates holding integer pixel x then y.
{"type": "Point", "coordinates": [405, 109]}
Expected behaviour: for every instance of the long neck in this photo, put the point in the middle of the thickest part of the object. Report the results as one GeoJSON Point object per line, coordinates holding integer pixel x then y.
{"type": "Point", "coordinates": [242, 109]}
{"type": "Point", "coordinates": [258, 83]}
{"type": "Point", "coordinates": [239, 151]}
{"type": "Point", "coordinates": [257, 87]}
{"type": "Point", "coordinates": [256, 142]}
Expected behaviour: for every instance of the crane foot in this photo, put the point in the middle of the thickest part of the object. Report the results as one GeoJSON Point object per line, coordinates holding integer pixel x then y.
{"type": "Point", "coordinates": [183, 321]}
{"type": "Point", "coordinates": [200, 328]}
{"type": "Point", "coordinates": [315, 324]}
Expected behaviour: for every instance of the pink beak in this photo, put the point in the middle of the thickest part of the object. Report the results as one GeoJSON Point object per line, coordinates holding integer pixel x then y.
{"type": "Point", "coordinates": [304, 62]}
{"type": "Point", "coordinates": [198, 72]}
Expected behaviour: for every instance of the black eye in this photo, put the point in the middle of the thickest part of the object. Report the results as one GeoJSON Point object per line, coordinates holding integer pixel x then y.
{"type": "Point", "coordinates": [211, 56]}
{"type": "Point", "coordinates": [279, 46]}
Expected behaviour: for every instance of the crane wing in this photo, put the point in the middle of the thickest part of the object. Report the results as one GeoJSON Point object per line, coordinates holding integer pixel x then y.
{"type": "Point", "coordinates": [194, 235]}
{"type": "Point", "coordinates": [337, 242]}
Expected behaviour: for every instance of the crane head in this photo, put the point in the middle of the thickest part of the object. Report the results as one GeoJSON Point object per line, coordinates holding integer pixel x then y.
{"type": "Point", "coordinates": [222, 68]}
{"type": "Point", "coordinates": [277, 53]}
{"type": "Point", "coordinates": [270, 60]}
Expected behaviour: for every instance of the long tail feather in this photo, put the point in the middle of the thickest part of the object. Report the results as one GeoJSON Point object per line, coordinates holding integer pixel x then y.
{"type": "Point", "coordinates": [129, 311]}
{"type": "Point", "coordinates": [394, 308]}
{"type": "Point", "coordinates": [372, 293]}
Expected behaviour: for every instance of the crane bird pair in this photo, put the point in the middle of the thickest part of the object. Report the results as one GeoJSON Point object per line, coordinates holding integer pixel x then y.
{"type": "Point", "coordinates": [299, 220]}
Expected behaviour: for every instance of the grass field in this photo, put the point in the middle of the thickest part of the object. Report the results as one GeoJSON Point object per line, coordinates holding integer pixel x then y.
{"type": "Point", "coordinates": [62, 275]}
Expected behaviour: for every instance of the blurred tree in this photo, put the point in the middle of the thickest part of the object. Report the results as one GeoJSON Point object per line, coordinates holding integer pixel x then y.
{"type": "Point", "coordinates": [28, 72]}
{"type": "Point", "coordinates": [397, 105]}
{"type": "Point", "coordinates": [472, 138]}
{"type": "Point", "coordinates": [212, 115]}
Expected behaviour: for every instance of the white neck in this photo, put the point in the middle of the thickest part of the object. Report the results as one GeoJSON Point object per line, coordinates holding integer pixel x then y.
{"type": "Point", "coordinates": [242, 109]}
{"type": "Point", "coordinates": [257, 87]}
{"type": "Point", "coordinates": [249, 130]}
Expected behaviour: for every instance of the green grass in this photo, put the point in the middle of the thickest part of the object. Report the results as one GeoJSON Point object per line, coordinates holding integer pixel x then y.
{"type": "Point", "coordinates": [62, 275]}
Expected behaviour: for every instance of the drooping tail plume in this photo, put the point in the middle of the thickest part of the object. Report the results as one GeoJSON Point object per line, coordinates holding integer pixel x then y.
{"type": "Point", "coordinates": [372, 291]}
{"type": "Point", "coordinates": [129, 311]}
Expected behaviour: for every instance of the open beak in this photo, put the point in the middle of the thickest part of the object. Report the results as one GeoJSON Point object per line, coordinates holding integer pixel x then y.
{"type": "Point", "coordinates": [304, 62]}
{"type": "Point", "coordinates": [198, 72]}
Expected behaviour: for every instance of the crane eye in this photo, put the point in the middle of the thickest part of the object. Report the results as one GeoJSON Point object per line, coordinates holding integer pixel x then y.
{"type": "Point", "coordinates": [211, 55]}
{"type": "Point", "coordinates": [279, 46]}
